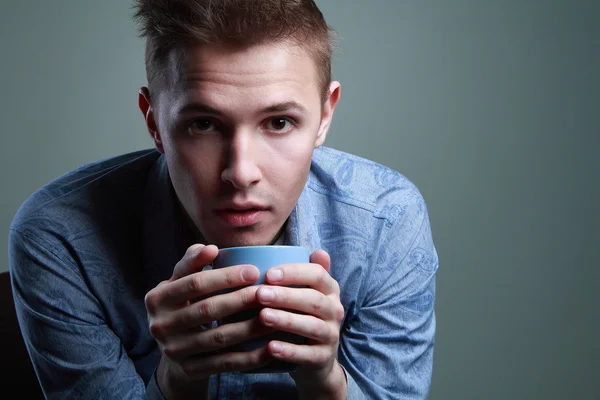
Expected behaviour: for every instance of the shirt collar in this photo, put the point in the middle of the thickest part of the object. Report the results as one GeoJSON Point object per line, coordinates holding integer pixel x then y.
{"type": "Point", "coordinates": [301, 227]}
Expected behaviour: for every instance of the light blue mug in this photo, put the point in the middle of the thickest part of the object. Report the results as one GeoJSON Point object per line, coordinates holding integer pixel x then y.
{"type": "Point", "coordinates": [264, 258]}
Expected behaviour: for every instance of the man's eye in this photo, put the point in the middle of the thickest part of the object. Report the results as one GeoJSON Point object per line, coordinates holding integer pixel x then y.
{"type": "Point", "coordinates": [202, 125]}
{"type": "Point", "coordinates": [279, 124]}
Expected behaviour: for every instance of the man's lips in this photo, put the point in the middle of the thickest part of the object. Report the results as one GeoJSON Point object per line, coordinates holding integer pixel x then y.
{"type": "Point", "coordinates": [241, 216]}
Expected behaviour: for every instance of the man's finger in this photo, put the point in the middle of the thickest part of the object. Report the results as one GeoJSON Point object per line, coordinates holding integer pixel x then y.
{"type": "Point", "coordinates": [196, 343]}
{"type": "Point", "coordinates": [307, 326]}
{"type": "Point", "coordinates": [322, 258]}
{"type": "Point", "coordinates": [226, 362]}
{"type": "Point", "coordinates": [311, 275]}
{"type": "Point", "coordinates": [304, 300]}
{"type": "Point", "coordinates": [196, 257]}
{"type": "Point", "coordinates": [206, 310]}
{"type": "Point", "coordinates": [300, 354]}
{"type": "Point", "coordinates": [196, 285]}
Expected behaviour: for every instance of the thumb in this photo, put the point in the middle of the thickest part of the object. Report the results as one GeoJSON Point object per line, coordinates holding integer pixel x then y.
{"type": "Point", "coordinates": [322, 258]}
{"type": "Point", "coordinates": [196, 257]}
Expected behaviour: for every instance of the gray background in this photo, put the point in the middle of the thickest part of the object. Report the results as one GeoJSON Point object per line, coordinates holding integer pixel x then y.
{"type": "Point", "coordinates": [490, 107]}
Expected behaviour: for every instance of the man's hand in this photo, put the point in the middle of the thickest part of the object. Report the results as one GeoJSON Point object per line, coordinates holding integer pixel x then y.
{"type": "Point", "coordinates": [179, 311]}
{"type": "Point", "coordinates": [321, 313]}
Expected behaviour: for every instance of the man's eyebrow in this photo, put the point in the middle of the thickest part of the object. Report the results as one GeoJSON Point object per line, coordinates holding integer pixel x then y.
{"type": "Point", "coordinates": [287, 106]}
{"type": "Point", "coordinates": [199, 108]}
{"type": "Point", "coordinates": [275, 108]}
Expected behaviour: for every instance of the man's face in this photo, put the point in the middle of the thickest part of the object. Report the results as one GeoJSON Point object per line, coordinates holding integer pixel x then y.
{"type": "Point", "coordinates": [238, 128]}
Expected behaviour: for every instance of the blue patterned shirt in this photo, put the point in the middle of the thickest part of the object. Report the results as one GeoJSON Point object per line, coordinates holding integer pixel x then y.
{"type": "Point", "coordinates": [86, 248]}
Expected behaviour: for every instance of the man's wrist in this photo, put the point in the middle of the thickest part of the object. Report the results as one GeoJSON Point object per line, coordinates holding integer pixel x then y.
{"type": "Point", "coordinates": [173, 387]}
{"type": "Point", "coordinates": [334, 386]}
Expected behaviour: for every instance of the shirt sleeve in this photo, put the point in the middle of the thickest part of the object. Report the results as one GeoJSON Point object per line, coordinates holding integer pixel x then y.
{"type": "Point", "coordinates": [387, 346]}
{"type": "Point", "coordinates": [74, 352]}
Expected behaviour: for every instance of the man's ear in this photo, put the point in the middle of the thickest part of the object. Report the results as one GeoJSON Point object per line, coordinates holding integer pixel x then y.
{"type": "Point", "coordinates": [327, 114]}
{"type": "Point", "coordinates": [148, 112]}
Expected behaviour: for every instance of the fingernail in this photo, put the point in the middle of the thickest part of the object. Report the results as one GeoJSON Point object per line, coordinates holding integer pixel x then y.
{"type": "Point", "coordinates": [197, 249]}
{"type": "Point", "coordinates": [275, 275]}
{"type": "Point", "coordinates": [270, 317]}
{"type": "Point", "coordinates": [266, 294]}
{"type": "Point", "coordinates": [248, 275]}
{"type": "Point", "coordinates": [277, 348]}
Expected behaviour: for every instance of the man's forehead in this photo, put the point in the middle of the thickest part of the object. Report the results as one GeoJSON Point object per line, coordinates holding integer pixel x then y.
{"type": "Point", "coordinates": [266, 75]}
{"type": "Point", "coordinates": [194, 62]}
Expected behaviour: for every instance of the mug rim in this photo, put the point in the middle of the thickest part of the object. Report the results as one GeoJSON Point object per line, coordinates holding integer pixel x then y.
{"type": "Point", "coordinates": [259, 247]}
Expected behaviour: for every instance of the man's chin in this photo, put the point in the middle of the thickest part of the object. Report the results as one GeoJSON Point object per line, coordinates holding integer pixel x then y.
{"type": "Point", "coordinates": [255, 235]}
{"type": "Point", "coordinates": [250, 239]}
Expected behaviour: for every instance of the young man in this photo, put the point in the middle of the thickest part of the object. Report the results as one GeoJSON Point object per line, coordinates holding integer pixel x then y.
{"type": "Point", "coordinates": [108, 260]}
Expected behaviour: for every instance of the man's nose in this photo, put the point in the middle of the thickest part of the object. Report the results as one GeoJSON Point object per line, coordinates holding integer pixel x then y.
{"type": "Point", "coordinates": [241, 165]}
